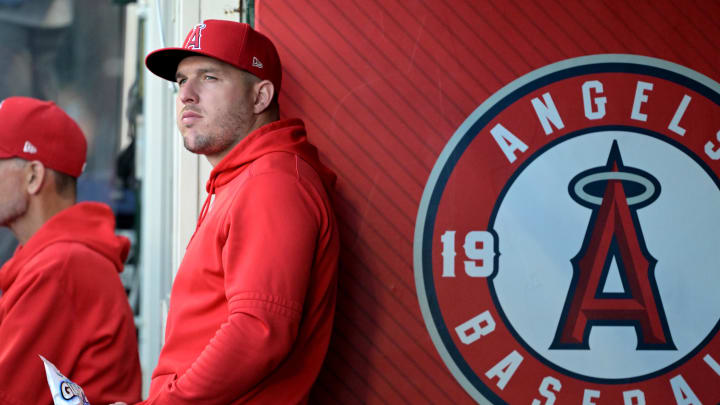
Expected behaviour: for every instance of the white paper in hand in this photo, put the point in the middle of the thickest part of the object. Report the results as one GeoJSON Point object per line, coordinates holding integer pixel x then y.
{"type": "Point", "coordinates": [64, 391]}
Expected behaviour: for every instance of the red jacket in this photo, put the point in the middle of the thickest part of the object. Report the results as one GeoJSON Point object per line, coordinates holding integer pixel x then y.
{"type": "Point", "coordinates": [252, 304]}
{"type": "Point", "coordinates": [62, 298]}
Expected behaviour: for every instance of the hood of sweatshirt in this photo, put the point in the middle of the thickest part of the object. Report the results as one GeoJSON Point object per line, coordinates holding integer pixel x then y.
{"type": "Point", "coordinates": [89, 223]}
{"type": "Point", "coordinates": [280, 136]}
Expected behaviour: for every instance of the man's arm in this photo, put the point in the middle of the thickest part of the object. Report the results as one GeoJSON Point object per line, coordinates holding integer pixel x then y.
{"type": "Point", "coordinates": [37, 319]}
{"type": "Point", "coordinates": [267, 260]}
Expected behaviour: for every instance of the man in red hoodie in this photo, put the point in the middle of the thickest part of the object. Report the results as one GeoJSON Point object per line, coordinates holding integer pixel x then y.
{"type": "Point", "coordinates": [61, 294]}
{"type": "Point", "coordinates": [252, 304]}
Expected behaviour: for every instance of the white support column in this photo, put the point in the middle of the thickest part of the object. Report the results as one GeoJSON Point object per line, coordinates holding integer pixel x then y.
{"type": "Point", "coordinates": [220, 9]}
{"type": "Point", "coordinates": [155, 171]}
{"type": "Point", "coordinates": [132, 20]}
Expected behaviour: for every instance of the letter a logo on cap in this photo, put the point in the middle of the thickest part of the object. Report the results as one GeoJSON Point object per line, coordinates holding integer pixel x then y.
{"type": "Point", "coordinates": [193, 39]}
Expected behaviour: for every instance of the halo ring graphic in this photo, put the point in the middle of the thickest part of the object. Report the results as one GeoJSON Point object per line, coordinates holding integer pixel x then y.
{"type": "Point", "coordinates": [585, 179]}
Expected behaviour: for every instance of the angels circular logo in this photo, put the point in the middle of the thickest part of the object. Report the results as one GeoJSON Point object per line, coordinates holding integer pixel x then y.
{"type": "Point", "coordinates": [567, 246]}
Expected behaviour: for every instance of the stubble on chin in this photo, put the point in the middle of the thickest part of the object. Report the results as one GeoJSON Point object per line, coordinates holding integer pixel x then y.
{"type": "Point", "coordinates": [193, 140]}
{"type": "Point", "coordinates": [207, 143]}
{"type": "Point", "coordinates": [201, 144]}
{"type": "Point", "coordinates": [194, 144]}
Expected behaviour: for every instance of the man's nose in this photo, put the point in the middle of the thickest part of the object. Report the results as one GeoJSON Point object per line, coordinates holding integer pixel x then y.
{"type": "Point", "coordinates": [187, 93]}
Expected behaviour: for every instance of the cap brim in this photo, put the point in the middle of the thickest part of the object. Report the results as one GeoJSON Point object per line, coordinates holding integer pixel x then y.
{"type": "Point", "coordinates": [164, 62]}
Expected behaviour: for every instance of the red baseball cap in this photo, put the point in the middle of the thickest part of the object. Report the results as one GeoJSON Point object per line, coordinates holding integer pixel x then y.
{"type": "Point", "coordinates": [33, 129]}
{"type": "Point", "coordinates": [235, 43]}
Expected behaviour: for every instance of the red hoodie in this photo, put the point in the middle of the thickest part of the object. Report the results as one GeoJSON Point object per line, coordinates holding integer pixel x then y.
{"type": "Point", "coordinates": [252, 304]}
{"type": "Point", "coordinates": [62, 298]}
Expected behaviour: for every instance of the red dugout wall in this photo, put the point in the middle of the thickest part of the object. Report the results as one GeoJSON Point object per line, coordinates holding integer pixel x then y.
{"type": "Point", "coordinates": [385, 86]}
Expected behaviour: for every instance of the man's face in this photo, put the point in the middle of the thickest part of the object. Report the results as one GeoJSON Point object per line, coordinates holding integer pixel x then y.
{"type": "Point", "coordinates": [214, 105]}
{"type": "Point", "coordinates": [13, 200]}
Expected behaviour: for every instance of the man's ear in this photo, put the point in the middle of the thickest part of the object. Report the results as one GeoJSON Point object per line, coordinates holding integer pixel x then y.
{"type": "Point", "coordinates": [264, 93]}
{"type": "Point", "coordinates": [35, 176]}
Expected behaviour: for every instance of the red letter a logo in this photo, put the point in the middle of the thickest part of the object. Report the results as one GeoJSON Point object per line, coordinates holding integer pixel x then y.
{"type": "Point", "coordinates": [193, 39]}
{"type": "Point", "coordinates": [613, 234]}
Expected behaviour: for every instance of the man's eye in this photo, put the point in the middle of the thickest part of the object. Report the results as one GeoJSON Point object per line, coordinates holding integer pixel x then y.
{"type": "Point", "coordinates": [181, 81]}
{"type": "Point", "coordinates": [208, 77]}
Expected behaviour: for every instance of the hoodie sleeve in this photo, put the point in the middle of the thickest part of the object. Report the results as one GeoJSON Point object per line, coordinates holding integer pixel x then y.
{"type": "Point", "coordinates": [272, 235]}
{"type": "Point", "coordinates": [36, 316]}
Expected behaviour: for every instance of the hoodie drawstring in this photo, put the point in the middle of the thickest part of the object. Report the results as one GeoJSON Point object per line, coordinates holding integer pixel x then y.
{"type": "Point", "coordinates": [204, 210]}
{"type": "Point", "coordinates": [206, 205]}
